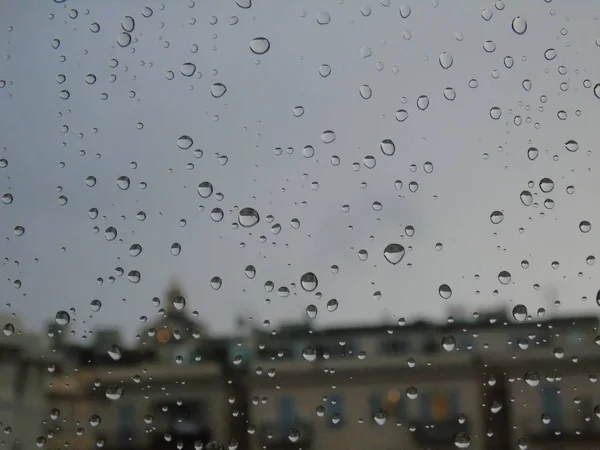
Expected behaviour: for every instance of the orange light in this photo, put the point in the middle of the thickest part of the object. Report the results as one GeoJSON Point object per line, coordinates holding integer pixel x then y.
{"type": "Point", "coordinates": [163, 336]}
{"type": "Point", "coordinates": [393, 396]}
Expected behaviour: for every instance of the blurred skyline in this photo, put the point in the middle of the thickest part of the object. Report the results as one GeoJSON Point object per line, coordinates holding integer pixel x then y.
{"type": "Point", "coordinates": [478, 165]}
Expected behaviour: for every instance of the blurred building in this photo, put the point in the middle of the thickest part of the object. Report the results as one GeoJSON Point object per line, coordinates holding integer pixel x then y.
{"type": "Point", "coordinates": [489, 382]}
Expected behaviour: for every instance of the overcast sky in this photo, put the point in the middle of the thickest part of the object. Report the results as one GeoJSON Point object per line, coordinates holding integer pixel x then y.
{"type": "Point", "coordinates": [480, 165]}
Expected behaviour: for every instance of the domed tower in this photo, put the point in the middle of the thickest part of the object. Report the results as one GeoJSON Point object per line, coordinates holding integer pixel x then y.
{"type": "Point", "coordinates": [174, 331]}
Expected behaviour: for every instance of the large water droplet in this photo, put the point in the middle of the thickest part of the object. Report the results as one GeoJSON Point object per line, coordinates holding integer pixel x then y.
{"type": "Point", "coordinates": [462, 440]}
{"type": "Point", "coordinates": [365, 91]}
{"type": "Point", "coordinates": [114, 392]}
{"type": "Point", "coordinates": [188, 69]}
{"type": "Point", "coordinates": [250, 272]}
{"type": "Point", "coordinates": [405, 11]}
{"type": "Point", "coordinates": [532, 378]}
{"type": "Point", "coordinates": [328, 136]}
{"type": "Point", "coordinates": [550, 54]}
{"type": "Point", "coordinates": [309, 353]}
{"type": "Point", "coordinates": [585, 226]}
{"type": "Point", "coordinates": [218, 90]}
{"type": "Point", "coordinates": [519, 313]}
{"type": "Point", "coordinates": [519, 25]}
{"type": "Point", "coordinates": [495, 113]}
{"type": "Point", "coordinates": [504, 277]}
{"type": "Point", "coordinates": [379, 416]}
{"type": "Point", "coordinates": [422, 102]}
{"type": "Point", "coordinates": [532, 153]}
{"type": "Point", "coordinates": [216, 283]}
{"type": "Point", "coordinates": [184, 142]}
{"type": "Point", "coordinates": [260, 45]}
{"type": "Point", "coordinates": [332, 305]}
{"type": "Point", "coordinates": [123, 182]}
{"type": "Point", "coordinates": [387, 147]}
{"type": "Point", "coordinates": [248, 217]}
{"type": "Point", "coordinates": [445, 291]}
{"type": "Point", "coordinates": [124, 39]}
{"type": "Point", "coordinates": [323, 18]}
{"type": "Point", "coordinates": [526, 198]}
{"type": "Point", "coordinates": [496, 217]}
{"type": "Point", "coordinates": [309, 282]}
{"type": "Point", "coordinates": [128, 24]}
{"type": "Point", "coordinates": [205, 189]}
{"type": "Point", "coordinates": [446, 60]}
{"type": "Point", "coordinates": [62, 318]}
{"type": "Point", "coordinates": [572, 145]}
{"type": "Point", "coordinates": [394, 253]}
{"type": "Point", "coordinates": [245, 4]}
{"type": "Point", "coordinates": [311, 311]}
{"type": "Point", "coordinates": [324, 70]}
{"type": "Point", "coordinates": [448, 343]}
{"type": "Point", "coordinates": [110, 233]}
{"type": "Point", "coordinates": [115, 353]}
{"type": "Point", "coordinates": [546, 185]}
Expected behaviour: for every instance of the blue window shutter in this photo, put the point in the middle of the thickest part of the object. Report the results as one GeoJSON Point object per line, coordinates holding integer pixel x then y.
{"type": "Point", "coordinates": [401, 409]}
{"type": "Point", "coordinates": [551, 404]}
{"type": "Point", "coordinates": [374, 404]}
{"type": "Point", "coordinates": [454, 404]}
{"type": "Point", "coordinates": [425, 406]}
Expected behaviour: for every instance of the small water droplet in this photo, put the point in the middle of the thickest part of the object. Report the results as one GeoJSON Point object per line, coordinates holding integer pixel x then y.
{"type": "Point", "coordinates": [445, 291]}
{"type": "Point", "coordinates": [123, 182]}
{"type": "Point", "coordinates": [311, 311]}
{"type": "Point", "coordinates": [324, 70]}
{"type": "Point", "coordinates": [184, 142]}
{"type": "Point", "coordinates": [496, 217]}
{"type": "Point", "coordinates": [205, 189]}
{"type": "Point", "coordinates": [218, 90]}
{"type": "Point", "coordinates": [62, 318]}
{"type": "Point", "coordinates": [585, 226]}
{"type": "Point", "coordinates": [128, 24]}
{"type": "Point", "coordinates": [332, 305]}
{"type": "Point", "coordinates": [546, 185]}
{"type": "Point", "coordinates": [572, 145]}
{"type": "Point", "coordinates": [422, 102]}
{"type": "Point", "coordinates": [550, 54]}
{"type": "Point", "coordinates": [323, 18]}
{"type": "Point", "coordinates": [328, 136]}
{"type": "Point", "coordinates": [519, 313]}
{"type": "Point", "coordinates": [114, 392]}
{"type": "Point", "coordinates": [124, 39]}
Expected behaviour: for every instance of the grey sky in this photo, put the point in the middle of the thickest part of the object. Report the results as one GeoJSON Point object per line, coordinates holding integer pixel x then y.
{"type": "Point", "coordinates": [452, 205]}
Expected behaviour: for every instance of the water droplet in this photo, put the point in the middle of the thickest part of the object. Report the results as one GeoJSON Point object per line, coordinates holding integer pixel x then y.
{"type": "Point", "coordinates": [394, 253]}
{"type": "Point", "coordinates": [324, 70]}
{"type": "Point", "coordinates": [134, 276]}
{"type": "Point", "coordinates": [135, 250]}
{"type": "Point", "coordinates": [401, 115]}
{"type": "Point", "coordinates": [363, 255]}
{"type": "Point", "coordinates": [365, 91]}
{"type": "Point", "coordinates": [298, 111]}
{"type": "Point", "coordinates": [205, 189]}
{"type": "Point", "coordinates": [365, 52]}
{"type": "Point", "coordinates": [128, 24]}
{"type": "Point", "coordinates": [449, 94]}
{"type": "Point", "coordinates": [250, 272]}
{"type": "Point", "coordinates": [445, 291]}
{"type": "Point", "coordinates": [110, 233]}
{"type": "Point", "coordinates": [332, 305]}
{"type": "Point", "coordinates": [245, 4]}
{"type": "Point", "coordinates": [114, 392]}
{"type": "Point", "coordinates": [597, 90]}
{"type": "Point", "coordinates": [526, 198]}
{"type": "Point", "coordinates": [546, 185]}
{"type": "Point", "coordinates": [422, 102]}
{"type": "Point", "coordinates": [519, 25]}
{"type": "Point", "coordinates": [527, 84]}
{"type": "Point", "coordinates": [328, 136]}
{"type": "Point", "coordinates": [18, 230]}
{"type": "Point", "coordinates": [184, 142]}
{"type": "Point", "coordinates": [179, 302]}
{"type": "Point", "coordinates": [9, 329]}
{"type": "Point", "coordinates": [489, 46]}
{"type": "Point", "coordinates": [519, 313]}
{"type": "Point", "coordinates": [532, 153]}
{"type": "Point", "coordinates": [218, 90]}
{"type": "Point", "coordinates": [323, 18]}
{"type": "Point", "coordinates": [405, 11]}
{"type": "Point", "coordinates": [585, 226]}
{"type": "Point", "coordinates": [487, 14]}
{"type": "Point", "coordinates": [532, 378]}
{"type": "Point", "coordinates": [62, 318]}
{"type": "Point", "coordinates": [7, 199]}
{"type": "Point", "coordinates": [462, 440]}
{"type": "Point", "coordinates": [95, 305]}
{"type": "Point", "coordinates": [187, 69]}
{"type": "Point", "coordinates": [496, 217]}
{"type": "Point", "coordinates": [387, 147]}
{"type": "Point", "coordinates": [124, 39]}
{"type": "Point", "coordinates": [216, 214]}
{"type": "Point", "coordinates": [248, 217]}
{"type": "Point", "coordinates": [309, 282]}
{"type": "Point", "coordinates": [504, 277]}
{"type": "Point", "coordinates": [379, 416]}
{"type": "Point", "coordinates": [309, 353]}
{"type": "Point", "coordinates": [572, 145]}
{"type": "Point", "coordinates": [311, 311]}
{"type": "Point", "coordinates": [446, 60]}
{"type": "Point", "coordinates": [550, 54]}
{"type": "Point", "coordinates": [123, 182]}
{"type": "Point", "coordinates": [115, 353]}
{"type": "Point", "coordinates": [175, 249]}
{"type": "Point", "coordinates": [495, 113]}
{"type": "Point", "coordinates": [216, 283]}
{"type": "Point", "coordinates": [448, 343]}
{"type": "Point", "coordinates": [260, 45]}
